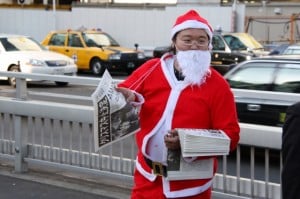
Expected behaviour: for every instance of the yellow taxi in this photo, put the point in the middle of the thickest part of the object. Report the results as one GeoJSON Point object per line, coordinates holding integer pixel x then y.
{"type": "Point", "coordinates": [94, 50]}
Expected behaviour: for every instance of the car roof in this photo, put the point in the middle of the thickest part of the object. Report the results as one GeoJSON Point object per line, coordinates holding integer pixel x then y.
{"type": "Point", "coordinates": [279, 58]}
{"type": "Point", "coordinates": [294, 46]}
{"type": "Point", "coordinates": [5, 35]}
{"type": "Point", "coordinates": [79, 30]}
{"type": "Point", "coordinates": [290, 59]}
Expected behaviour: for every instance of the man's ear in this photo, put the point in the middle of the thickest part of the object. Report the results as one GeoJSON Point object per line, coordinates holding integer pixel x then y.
{"type": "Point", "coordinates": [174, 49]}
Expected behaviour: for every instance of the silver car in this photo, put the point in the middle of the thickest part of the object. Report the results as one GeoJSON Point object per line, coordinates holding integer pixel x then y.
{"type": "Point", "coordinates": [24, 54]}
{"type": "Point", "coordinates": [264, 88]}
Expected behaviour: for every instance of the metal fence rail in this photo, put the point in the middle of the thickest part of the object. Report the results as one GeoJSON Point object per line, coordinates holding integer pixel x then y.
{"type": "Point", "coordinates": [61, 135]}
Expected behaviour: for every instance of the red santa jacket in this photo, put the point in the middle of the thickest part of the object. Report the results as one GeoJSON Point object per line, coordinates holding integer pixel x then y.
{"type": "Point", "coordinates": [209, 106]}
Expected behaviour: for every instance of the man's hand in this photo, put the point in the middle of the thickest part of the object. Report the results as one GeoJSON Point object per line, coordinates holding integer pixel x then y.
{"type": "Point", "coordinates": [128, 94]}
{"type": "Point", "coordinates": [172, 140]}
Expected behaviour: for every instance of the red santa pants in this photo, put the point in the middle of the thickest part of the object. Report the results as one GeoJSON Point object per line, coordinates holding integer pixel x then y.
{"type": "Point", "coordinates": [145, 189]}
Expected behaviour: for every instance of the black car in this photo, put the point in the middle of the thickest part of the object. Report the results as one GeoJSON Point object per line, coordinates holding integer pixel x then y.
{"type": "Point", "coordinates": [228, 50]}
{"type": "Point", "coordinates": [264, 88]}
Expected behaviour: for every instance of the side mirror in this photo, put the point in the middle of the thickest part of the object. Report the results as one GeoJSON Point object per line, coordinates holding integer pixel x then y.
{"type": "Point", "coordinates": [136, 46]}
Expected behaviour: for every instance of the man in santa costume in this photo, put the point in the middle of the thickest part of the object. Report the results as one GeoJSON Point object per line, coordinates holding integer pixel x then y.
{"type": "Point", "coordinates": [179, 90]}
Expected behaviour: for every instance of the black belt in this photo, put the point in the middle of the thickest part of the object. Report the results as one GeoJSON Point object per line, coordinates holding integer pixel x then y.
{"type": "Point", "coordinates": [157, 167]}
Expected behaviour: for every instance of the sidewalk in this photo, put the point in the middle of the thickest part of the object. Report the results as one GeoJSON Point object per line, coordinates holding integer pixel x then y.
{"type": "Point", "coordinates": [43, 185]}
{"type": "Point", "coordinates": [11, 188]}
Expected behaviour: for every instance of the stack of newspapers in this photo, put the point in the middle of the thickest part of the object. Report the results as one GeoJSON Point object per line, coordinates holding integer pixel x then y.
{"type": "Point", "coordinates": [195, 143]}
{"type": "Point", "coordinates": [203, 142]}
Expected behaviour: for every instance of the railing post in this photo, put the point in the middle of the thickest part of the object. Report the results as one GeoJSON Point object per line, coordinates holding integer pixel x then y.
{"type": "Point", "coordinates": [21, 89]}
{"type": "Point", "coordinates": [20, 130]}
{"type": "Point", "coordinates": [20, 144]}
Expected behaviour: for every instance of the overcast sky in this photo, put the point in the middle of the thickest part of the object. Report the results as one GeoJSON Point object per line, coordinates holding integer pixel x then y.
{"type": "Point", "coordinates": [145, 1]}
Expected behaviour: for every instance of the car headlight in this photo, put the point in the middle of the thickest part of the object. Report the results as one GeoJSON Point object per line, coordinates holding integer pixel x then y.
{"type": "Point", "coordinates": [248, 57]}
{"type": "Point", "coordinates": [141, 55]}
{"type": "Point", "coordinates": [70, 62]}
{"type": "Point", "coordinates": [116, 56]}
{"type": "Point", "coordinates": [36, 62]}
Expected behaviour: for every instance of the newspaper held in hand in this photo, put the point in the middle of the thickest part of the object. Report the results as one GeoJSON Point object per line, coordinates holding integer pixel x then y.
{"type": "Point", "coordinates": [114, 117]}
{"type": "Point", "coordinates": [180, 169]}
{"type": "Point", "coordinates": [203, 142]}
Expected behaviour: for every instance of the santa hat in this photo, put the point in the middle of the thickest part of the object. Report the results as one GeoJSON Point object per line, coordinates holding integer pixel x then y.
{"type": "Point", "coordinates": [191, 19]}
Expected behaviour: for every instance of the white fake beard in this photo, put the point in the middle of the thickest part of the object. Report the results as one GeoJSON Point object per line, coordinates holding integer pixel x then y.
{"type": "Point", "coordinates": [194, 65]}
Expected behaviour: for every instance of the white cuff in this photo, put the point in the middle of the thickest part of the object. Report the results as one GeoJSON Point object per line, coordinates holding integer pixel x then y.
{"type": "Point", "coordinates": [140, 99]}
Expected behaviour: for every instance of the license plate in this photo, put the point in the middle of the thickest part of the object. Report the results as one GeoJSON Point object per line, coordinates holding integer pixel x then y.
{"type": "Point", "coordinates": [282, 117]}
{"type": "Point", "coordinates": [59, 71]}
{"type": "Point", "coordinates": [130, 65]}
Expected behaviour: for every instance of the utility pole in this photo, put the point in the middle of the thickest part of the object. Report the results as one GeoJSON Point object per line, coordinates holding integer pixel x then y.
{"type": "Point", "coordinates": [54, 13]}
{"type": "Point", "coordinates": [233, 17]}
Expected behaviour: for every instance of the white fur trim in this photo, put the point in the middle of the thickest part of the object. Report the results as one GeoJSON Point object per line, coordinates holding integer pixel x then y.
{"type": "Point", "coordinates": [150, 134]}
{"type": "Point", "coordinates": [184, 192]}
{"type": "Point", "coordinates": [167, 70]}
{"type": "Point", "coordinates": [140, 99]}
{"type": "Point", "coordinates": [150, 176]}
{"type": "Point", "coordinates": [191, 24]}
{"type": "Point", "coordinates": [170, 106]}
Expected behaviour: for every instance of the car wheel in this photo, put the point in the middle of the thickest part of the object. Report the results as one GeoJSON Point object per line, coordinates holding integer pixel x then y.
{"type": "Point", "coordinates": [12, 80]}
{"type": "Point", "coordinates": [97, 67]}
{"type": "Point", "coordinates": [61, 83]}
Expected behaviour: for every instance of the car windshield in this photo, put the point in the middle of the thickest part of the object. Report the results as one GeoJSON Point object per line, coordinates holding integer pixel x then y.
{"type": "Point", "coordinates": [288, 79]}
{"type": "Point", "coordinates": [279, 49]}
{"type": "Point", "coordinates": [242, 41]}
{"type": "Point", "coordinates": [235, 43]}
{"type": "Point", "coordinates": [99, 39]}
{"type": "Point", "coordinates": [253, 76]}
{"type": "Point", "coordinates": [293, 50]}
{"type": "Point", "coordinates": [21, 44]}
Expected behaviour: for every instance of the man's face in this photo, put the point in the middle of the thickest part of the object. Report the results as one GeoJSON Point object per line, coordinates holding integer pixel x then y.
{"type": "Point", "coordinates": [193, 56]}
{"type": "Point", "coordinates": [192, 39]}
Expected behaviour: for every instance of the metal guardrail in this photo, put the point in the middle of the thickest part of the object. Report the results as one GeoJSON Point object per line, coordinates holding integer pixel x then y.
{"type": "Point", "coordinates": [35, 132]}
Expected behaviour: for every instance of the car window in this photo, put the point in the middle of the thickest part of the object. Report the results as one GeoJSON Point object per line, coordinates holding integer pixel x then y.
{"type": "Point", "coordinates": [288, 79]}
{"type": "Point", "coordinates": [234, 43]}
{"type": "Point", "coordinates": [218, 43]}
{"type": "Point", "coordinates": [74, 40]}
{"type": "Point", "coordinates": [8, 46]}
{"type": "Point", "coordinates": [89, 40]}
{"type": "Point", "coordinates": [292, 51]}
{"type": "Point", "coordinates": [58, 39]}
{"type": "Point", "coordinates": [99, 39]}
{"type": "Point", "coordinates": [279, 49]}
{"type": "Point", "coordinates": [253, 76]}
{"type": "Point", "coordinates": [21, 44]}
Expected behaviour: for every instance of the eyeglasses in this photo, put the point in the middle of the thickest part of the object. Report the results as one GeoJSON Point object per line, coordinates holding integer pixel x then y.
{"type": "Point", "coordinates": [198, 43]}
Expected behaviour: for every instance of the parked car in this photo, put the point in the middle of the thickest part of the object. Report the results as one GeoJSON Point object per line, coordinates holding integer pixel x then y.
{"type": "Point", "coordinates": [265, 87]}
{"type": "Point", "coordinates": [228, 50]}
{"type": "Point", "coordinates": [279, 49]}
{"type": "Point", "coordinates": [20, 53]}
{"type": "Point", "coordinates": [94, 50]}
{"type": "Point", "coordinates": [293, 49]}
{"type": "Point", "coordinates": [286, 49]}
